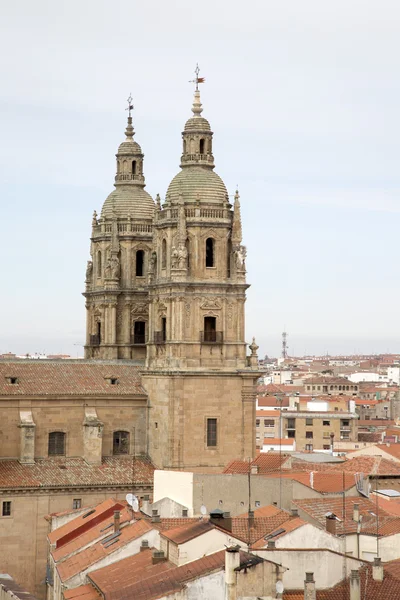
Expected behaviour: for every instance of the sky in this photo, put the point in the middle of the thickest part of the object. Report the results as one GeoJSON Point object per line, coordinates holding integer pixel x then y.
{"type": "Point", "coordinates": [303, 98]}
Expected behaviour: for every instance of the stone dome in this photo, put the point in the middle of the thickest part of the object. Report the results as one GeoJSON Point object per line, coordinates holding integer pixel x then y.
{"type": "Point", "coordinates": [197, 124]}
{"type": "Point", "coordinates": [198, 182]}
{"type": "Point", "coordinates": [129, 147]}
{"type": "Point", "coordinates": [130, 200]}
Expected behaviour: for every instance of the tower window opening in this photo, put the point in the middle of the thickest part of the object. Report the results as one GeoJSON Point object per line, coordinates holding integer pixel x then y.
{"type": "Point", "coordinates": [164, 254]}
{"type": "Point", "coordinates": [211, 432]}
{"type": "Point", "coordinates": [210, 252]}
{"type": "Point", "coordinates": [121, 442]}
{"type": "Point", "coordinates": [98, 331]}
{"type": "Point", "coordinates": [134, 167]}
{"type": "Point", "coordinates": [139, 332]}
{"type": "Point", "coordinates": [202, 144]}
{"type": "Point", "coordinates": [187, 244]}
{"type": "Point", "coordinates": [210, 329]}
{"type": "Point", "coordinates": [139, 263]}
{"type": "Point", "coordinates": [56, 443]}
{"type": "Point", "coordinates": [164, 328]}
{"type": "Point", "coordinates": [99, 264]}
{"type": "Point", "coordinates": [184, 146]}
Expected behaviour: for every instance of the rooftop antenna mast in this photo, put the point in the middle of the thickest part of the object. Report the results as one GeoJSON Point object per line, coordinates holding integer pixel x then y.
{"type": "Point", "coordinates": [285, 346]}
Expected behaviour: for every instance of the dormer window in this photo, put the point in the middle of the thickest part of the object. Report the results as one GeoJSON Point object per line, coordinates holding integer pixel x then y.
{"type": "Point", "coordinates": [112, 380]}
{"type": "Point", "coordinates": [12, 380]}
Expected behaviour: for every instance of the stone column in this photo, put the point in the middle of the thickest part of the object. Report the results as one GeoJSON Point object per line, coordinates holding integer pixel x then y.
{"type": "Point", "coordinates": [27, 443]}
{"type": "Point", "coordinates": [92, 437]}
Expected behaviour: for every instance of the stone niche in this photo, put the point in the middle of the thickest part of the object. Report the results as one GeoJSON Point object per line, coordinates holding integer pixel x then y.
{"type": "Point", "coordinates": [92, 437]}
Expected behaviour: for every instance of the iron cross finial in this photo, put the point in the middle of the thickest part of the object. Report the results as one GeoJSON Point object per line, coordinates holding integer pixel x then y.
{"type": "Point", "coordinates": [197, 79]}
{"type": "Point", "coordinates": [130, 105]}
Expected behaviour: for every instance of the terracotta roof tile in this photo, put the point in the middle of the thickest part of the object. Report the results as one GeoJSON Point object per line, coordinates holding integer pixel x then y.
{"type": "Point", "coordinates": [89, 556]}
{"type": "Point", "coordinates": [185, 533]}
{"type": "Point", "coordinates": [318, 507]}
{"type": "Point", "coordinates": [369, 465]}
{"type": "Point", "coordinates": [266, 462]}
{"type": "Point", "coordinates": [66, 472]}
{"type": "Point", "coordinates": [392, 449]}
{"type": "Point", "coordinates": [253, 530]}
{"type": "Point", "coordinates": [83, 592]}
{"type": "Point", "coordinates": [65, 378]}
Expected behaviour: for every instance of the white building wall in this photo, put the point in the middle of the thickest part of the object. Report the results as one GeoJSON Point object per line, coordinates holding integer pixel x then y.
{"type": "Point", "coordinates": [309, 536]}
{"type": "Point", "coordinates": [177, 485]}
{"type": "Point", "coordinates": [371, 377]}
{"type": "Point", "coordinates": [389, 547]}
{"type": "Point", "coordinates": [393, 374]}
{"type": "Point", "coordinates": [204, 544]}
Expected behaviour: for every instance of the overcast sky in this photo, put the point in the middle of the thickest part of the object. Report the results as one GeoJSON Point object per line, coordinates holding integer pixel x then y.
{"type": "Point", "coordinates": [303, 97]}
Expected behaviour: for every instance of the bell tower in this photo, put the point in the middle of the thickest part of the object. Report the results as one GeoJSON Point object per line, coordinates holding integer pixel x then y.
{"type": "Point", "coordinates": [201, 384]}
{"type": "Point", "coordinates": [116, 276]}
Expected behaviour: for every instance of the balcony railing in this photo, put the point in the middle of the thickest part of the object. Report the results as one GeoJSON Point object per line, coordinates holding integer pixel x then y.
{"type": "Point", "coordinates": [95, 340]}
{"type": "Point", "coordinates": [138, 338]}
{"type": "Point", "coordinates": [345, 428]}
{"type": "Point", "coordinates": [159, 337]}
{"type": "Point", "coordinates": [211, 337]}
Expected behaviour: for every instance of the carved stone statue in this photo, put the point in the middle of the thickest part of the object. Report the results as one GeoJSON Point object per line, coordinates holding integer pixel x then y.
{"type": "Point", "coordinates": [174, 258]}
{"type": "Point", "coordinates": [107, 270]}
{"type": "Point", "coordinates": [152, 262]}
{"type": "Point", "coordinates": [89, 271]}
{"type": "Point", "coordinates": [182, 257]}
{"type": "Point", "coordinates": [115, 267]}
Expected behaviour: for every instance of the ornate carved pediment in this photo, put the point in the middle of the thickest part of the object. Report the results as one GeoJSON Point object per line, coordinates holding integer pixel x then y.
{"type": "Point", "coordinates": [141, 308]}
{"type": "Point", "coordinates": [211, 304]}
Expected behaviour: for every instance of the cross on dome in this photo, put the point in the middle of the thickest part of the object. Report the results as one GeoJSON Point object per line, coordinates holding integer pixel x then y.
{"type": "Point", "coordinates": [130, 105]}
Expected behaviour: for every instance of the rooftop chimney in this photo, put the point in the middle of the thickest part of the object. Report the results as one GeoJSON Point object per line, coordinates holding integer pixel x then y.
{"type": "Point", "coordinates": [232, 561]}
{"type": "Point", "coordinates": [145, 508]}
{"type": "Point", "coordinates": [294, 512]}
{"type": "Point", "coordinates": [355, 593]}
{"type": "Point", "coordinates": [144, 545]}
{"type": "Point", "coordinates": [331, 524]}
{"type": "Point", "coordinates": [254, 469]}
{"type": "Point", "coordinates": [271, 544]}
{"type": "Point", "coordinates": [356, 512]}
{"type": "Point", "coordinates": [309, 587]}
{"type": "Point", "coordinates": [117, 520]}
{"type": "Point", "coordinates": [377, 569]}
{"type": "Point", "coordinates": [158, 556]}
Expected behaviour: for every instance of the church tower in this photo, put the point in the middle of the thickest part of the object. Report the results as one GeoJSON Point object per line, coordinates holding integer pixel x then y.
{"type": "Point", "coordinates": [200, 383]}
{"type": "Point", "coordinates": [116, 276]}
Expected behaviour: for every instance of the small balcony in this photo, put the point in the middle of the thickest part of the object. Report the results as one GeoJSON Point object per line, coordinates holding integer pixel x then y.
{"type": "Point", "coordinates": [138, 339]}
{"type": "Point", "coordinates": [94, 340]}
{"type": "Point", "coordinates": [345, 428]}
{"type": "Point", "coordinates": [159, 337]}
{"type": "Point", "coordinates": [211, 337]}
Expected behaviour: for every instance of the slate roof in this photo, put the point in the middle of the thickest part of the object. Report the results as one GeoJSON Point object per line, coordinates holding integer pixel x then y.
{"type": "Point", "coordinates": [70, 378]}
{"type": "Point", "coordinates": [68, 472]}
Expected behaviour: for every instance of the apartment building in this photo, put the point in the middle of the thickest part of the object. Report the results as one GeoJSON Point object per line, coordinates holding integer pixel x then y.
{"type": "Point", "coordinates": [317, 430]}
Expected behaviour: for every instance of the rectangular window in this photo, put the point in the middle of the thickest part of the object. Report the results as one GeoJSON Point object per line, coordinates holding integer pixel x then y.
{"type": "Point", "coordinates": [326, 447]}
{"type": "Point", "coordinates": [6, 509]}
{"type": "Point", "coordinates": [326, 423]}
{"type": "Point", "coordinates": [326, 434]}
{"type": "Point", "coordinates": [291, 423]}
{"type": "Point", "coordinates": [291, 433]}
{"type": "Point", "coordinates": [269, 423]}
{"type": "Point", "coordinates": [76, 503]}
{"type": "Point", "coordinates": [257, 422]}
{"type": "Point", "coordinates": [309, 447]}
{"type": "Point", "coordinates": [309, 434]}
{"type": "Point", "coordinates": [309, 421]}
{"type": "Point", "coordinates": [211, 432]}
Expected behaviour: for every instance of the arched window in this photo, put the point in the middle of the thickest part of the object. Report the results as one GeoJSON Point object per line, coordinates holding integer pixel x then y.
{"type": "Point", "coordinates": [99, 264]}
{"type": "Point", "coordinates": [164, 254]}
{"type": "Point", "coordinates": [134, 167]}
{"type": "Point", "coordinates": [187, 244]}
{"type": "Point", "coordinates": [56, 443]}
{"type": "Point", "coordinates": [139, 332]}
{"type": "Point", "coordinates": [98, 331]}
{"type": "Point", "coordinates": [210, 252]}
{"type": "Point", "coordinates": [202, 141]}
{"type": "Point", "coordinates": [121, 442]}
{"type": "Point", "coordinates": [139, 263]}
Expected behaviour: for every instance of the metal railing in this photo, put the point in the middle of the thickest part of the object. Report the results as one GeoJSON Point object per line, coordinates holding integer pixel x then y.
{"type": "Point", "coordinates": [94, 340]}
{"type": "Point", "coordinates": [211, 337]}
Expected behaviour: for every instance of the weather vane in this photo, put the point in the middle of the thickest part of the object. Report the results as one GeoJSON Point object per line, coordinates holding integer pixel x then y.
{"type": "Point", "coordinates": [130, 105]}
{"type": "Point", "coordinates": [198, 79]}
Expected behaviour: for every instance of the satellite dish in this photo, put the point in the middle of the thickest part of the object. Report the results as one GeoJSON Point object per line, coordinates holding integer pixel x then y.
{"type": "Point", "coordinates": [203, 510]}
{"type": "Point", "coordinates": [279, 587]}
{"type": "Point", "coordinates": [135, 504]}
{"type": "Point", "coordinates": [130, 498]}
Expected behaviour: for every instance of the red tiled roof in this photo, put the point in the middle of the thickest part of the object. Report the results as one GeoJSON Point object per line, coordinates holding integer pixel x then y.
{"type": "Point", "coordinates": [69, 472]}
{"type": "Point", "coordinates": [369, 465]}
{"type": "Point", "coordinates": [266, 462]}
{"type": "Point", "coordinates": [271, 401]}
{"type": "Point", "coordinates": [83, 592]}
{"type": "Point", "coordinates": [171, 579]}
{"type": "Point", "coordinates": [384, 423]}
{"type": "Point", "coordinates": [65, 378]}
{"type": "Point", "coordinates": [89, 556]}
{"type": "Point", "coordinates": [287, 526]}
{"type": "Point", "coordinates": [268, 413]}
{"type": "Point", "coordinates": [318, 507]}
{"type": "Point", "coordinates": [185, 533]}
{"type": "Point", "coordinates": [83, 523]}
{"type": "Point", "coordinates": [264, 511]}
{"type": "Point", "coordinates": [250, 531]}
{"type": "Point", "coordinates": [392, 449]}
{"type": "Point", "coordinates": [278, 442]}
{"type": "Point", "coordinates": [321, 481]}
